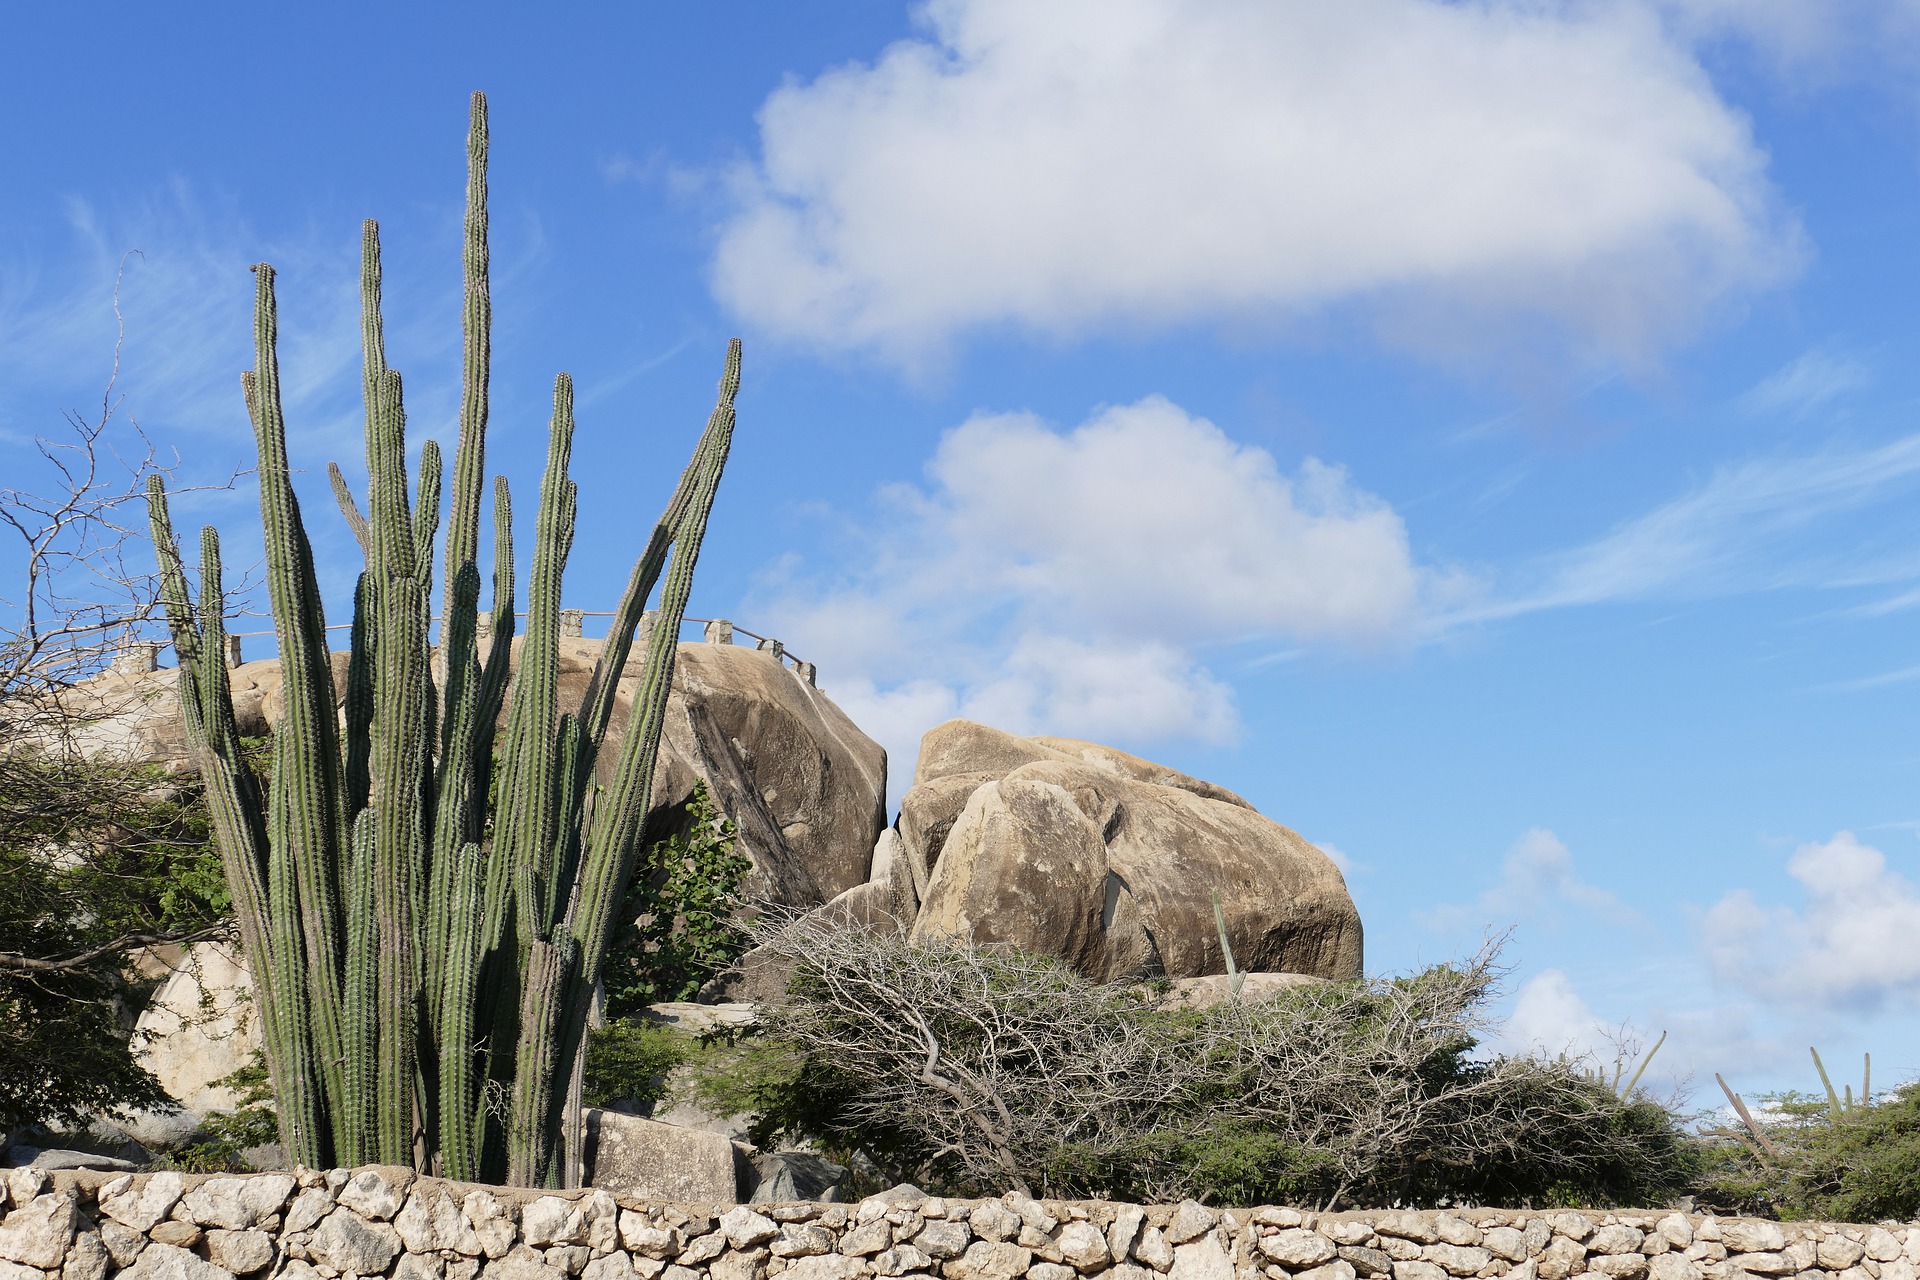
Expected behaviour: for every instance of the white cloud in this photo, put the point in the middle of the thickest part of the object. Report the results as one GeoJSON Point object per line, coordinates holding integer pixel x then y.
{"type": "Point", "coordinates": [1474, 174]}
{"type": "Point", "coordinates": [1824, 43]}
{"type": "Point", "coordinates": [1731, 534]}
{"type": "Point", "coordinates": [1550, 1017]}
{"type": "Point", "coordinates": [1855, 940]}
{"type": "Point", "coordinates": [1537, 883]}
{"type": "Point", "coordinates": [1807, 383]}
{"type": "Point", "coordinates": [1148, 520]}
{"type": "Point", "coordinates": [1073, 581]}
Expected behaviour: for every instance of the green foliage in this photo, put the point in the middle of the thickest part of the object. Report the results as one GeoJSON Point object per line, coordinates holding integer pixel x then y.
{"type": "Point", "coordinates": [225, 1137]}
{"type": "Point", "coordinates": [1859, 1165]}
{"type": "Point", "coordinates": [94, 856]}
{"type": "Point", "coordinates": [425, 959]}
{"type": "Point", "coordinates": [968, 1070]}
{"type": "Point", "coordinates": [628, 1062]}
{"type": "Point", "coordinates": [677, 927]}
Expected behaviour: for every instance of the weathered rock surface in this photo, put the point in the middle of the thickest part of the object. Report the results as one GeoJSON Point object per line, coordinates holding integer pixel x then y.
{"type": "Point", "coordinates": [37, 1233]}
{"type": "Point", "coordinates": [805, 788]}
{"type": "Point", "coordinates": [64, 1224]}
{"type": "Point", "coordinates": [197, 1029]}
{"type": "Point", "coordinates": [782, 1177]}
{"type": "Point", "coordinates": [629, 1155]}
{"type": "Point", "coordinates": [1111, 862]}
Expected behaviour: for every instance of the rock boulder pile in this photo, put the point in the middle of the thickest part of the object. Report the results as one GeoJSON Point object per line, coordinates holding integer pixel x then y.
{"type": "Point", "coordinates": [804, 786]}
{"type": "Point", "coordinates": [1104, 859]}
{"type": "Point", "coordinates": [388, 1222]}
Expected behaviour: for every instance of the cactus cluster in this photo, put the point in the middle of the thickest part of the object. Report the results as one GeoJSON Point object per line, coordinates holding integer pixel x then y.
{"type": "Point", "coordinates": [425, 908]}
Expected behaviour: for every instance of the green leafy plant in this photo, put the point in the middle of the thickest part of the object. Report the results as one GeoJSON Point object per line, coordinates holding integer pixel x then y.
{"type": "Point", "coordinates": [677, 925]}
{"type": "Point", "coordinates": [97, 858]}
{"type": "Point", "coordinates": [425, 960]}
{"type": "Point", "coordinates": [1831, 1156]}
{"type": "Point", "coordinates": [628, 1063]}
{"type": "Point", "coordinates": [225, 1138]}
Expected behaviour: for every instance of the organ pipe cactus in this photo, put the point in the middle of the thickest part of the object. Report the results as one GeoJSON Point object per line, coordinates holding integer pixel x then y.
{"type": "Point", "coordinates": [424, 957]}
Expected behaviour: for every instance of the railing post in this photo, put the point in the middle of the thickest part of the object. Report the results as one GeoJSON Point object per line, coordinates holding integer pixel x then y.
{"type": "Point", "coordinates": [806, 671]}
{"type": "Point", "coordinates": [719, 631]}
{"type": "Point", "coordinates": [774, 647]}
{"type": "Point", "coordinates": [573, 622]}
{"type": "Point", "coordinates": [233, 651]}
{"type": "Point", "coordinates": [137, 658]}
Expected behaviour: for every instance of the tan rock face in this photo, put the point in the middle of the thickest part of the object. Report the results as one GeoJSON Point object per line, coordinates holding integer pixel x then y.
{"type": "Point", "coordinates": [1111, 861]}
{"type": "Point", "coordinates": [806, 789]}
{"type": "Point", "coordinates": [654, 1161]}
{"type": "Point", "coordinates": [199, 1028]}
{"type": "Point", "coordinates": [803, 785]}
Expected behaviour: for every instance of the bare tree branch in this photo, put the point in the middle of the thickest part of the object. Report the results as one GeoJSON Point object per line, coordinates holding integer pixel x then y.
{"type": "Point", "coordinates": [1013, 1071]}
{"type": "Point", "coordinates": [16, 962]}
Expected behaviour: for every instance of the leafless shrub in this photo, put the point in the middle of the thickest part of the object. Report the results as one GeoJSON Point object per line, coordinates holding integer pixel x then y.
{"type": "Point", "coordinates": [984, 1068]}
{"type": "Point", "coordinates": [98, 854]}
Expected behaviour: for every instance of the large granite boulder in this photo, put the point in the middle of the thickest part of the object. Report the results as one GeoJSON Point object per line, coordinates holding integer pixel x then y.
{"type": "Point", "coordinates": [804, 787]}
{"type": "Point", "coordinates": [198, 1028]}
{"type": "Point", "coordinates": [1110, 862]}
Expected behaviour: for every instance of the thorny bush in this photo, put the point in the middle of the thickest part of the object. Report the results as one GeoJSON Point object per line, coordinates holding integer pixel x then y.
{"type": "Point", "coordinates": [973, 1069]}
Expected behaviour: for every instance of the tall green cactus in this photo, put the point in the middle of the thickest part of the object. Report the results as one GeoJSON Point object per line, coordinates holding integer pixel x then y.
{"type": "Point", "coordinates": [425, 965]}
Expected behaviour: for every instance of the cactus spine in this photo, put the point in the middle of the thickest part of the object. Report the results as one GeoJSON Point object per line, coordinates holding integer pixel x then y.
{"type": "Point", "coordinates": [424, 967]}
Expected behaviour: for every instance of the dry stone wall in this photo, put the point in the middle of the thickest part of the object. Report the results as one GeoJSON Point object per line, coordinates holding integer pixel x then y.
{"type": "Point", "coordinates": [388, 1222]}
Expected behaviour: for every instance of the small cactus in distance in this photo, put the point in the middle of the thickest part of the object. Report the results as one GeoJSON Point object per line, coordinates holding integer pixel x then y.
{"type": "Point", "coordinates": [1235, 979]}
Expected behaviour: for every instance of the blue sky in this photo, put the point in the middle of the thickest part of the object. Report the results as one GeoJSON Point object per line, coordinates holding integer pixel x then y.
{"type": "Point", "coordinates": [1483, 434]}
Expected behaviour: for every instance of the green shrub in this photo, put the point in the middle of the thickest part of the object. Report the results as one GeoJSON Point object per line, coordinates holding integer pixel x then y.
{"type": "Point", "coordinates": [225, 1137]}
{"type": "Point", "coordinates": [1866, 1166]}
{"type": "Point", "coordinates": [629, 1062]}
{"type": "Point", "coordinates": [968, 1070]}
{"type": "Point", "coordinates": [96, 858]}
{"type": "Point", "coordinates": [677, 925]}
{"type": "Point", "coordinates": [1862, 1165]}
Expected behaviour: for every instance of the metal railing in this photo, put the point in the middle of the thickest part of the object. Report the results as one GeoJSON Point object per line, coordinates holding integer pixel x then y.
{"type": "Point", "coordinates": [141, 656]}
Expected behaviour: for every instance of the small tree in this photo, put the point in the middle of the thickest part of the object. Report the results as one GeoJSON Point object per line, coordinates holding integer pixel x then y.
{"type": "Point", "coordinates": [98, 855]}
{"type": "Point", "coordinates": [677, 926]}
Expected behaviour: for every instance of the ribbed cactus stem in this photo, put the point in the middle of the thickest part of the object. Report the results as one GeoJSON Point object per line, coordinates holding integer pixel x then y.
{"type": "Point", "coordinates": [360, 1024]}
{"type": "Point", "coordinates": [423, 966]}
{"type": "Point", "coordinates": [459, 1147]}
{"type": "Point", "coordinates": [306, 817]}
{"type": "Point", "coordinates": [476, 323]}
{"type": "Point", "coordinates": [531, 1133]}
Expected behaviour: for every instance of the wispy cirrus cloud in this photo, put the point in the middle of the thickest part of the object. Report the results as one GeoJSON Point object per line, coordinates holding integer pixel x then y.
{"type": "Point", "coordinates": [1811, 381]}
{"type": "Point", "coordinates": [186, 296]}
{"type": "Point", "coordinates": [1755, 525]}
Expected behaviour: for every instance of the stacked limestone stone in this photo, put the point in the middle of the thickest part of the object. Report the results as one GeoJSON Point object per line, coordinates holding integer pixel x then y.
{"type": "Point", "coordinates": [387, 1222]}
